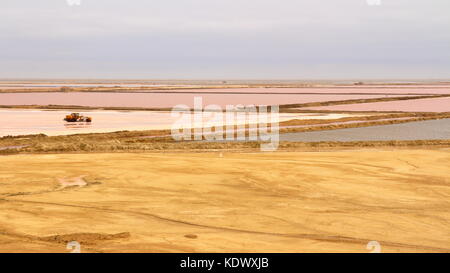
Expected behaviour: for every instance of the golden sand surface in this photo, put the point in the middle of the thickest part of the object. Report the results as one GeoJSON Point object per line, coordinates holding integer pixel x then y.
{"type": "Point", "coordinates": [227, 202]}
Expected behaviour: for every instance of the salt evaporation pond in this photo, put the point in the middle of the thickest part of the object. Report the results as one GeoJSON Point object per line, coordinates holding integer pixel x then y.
{"type": "Point", "coordinates": [26, 122]}
{"type": "Point", "coordinates": [343, 90]}
{"type": "Point", "coordinates": [419, 130]}
{"type": "Point", "coordinates": [32, 86]}
{"type": "Point", "coordinates": [167, 100]}
{"type": "Point", "coordinates": [419, 105]}
{"type": "Point", "coordinates": [349, 89]}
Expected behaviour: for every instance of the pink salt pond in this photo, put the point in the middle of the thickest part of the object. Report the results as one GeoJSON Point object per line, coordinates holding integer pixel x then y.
{"type": "Point", "coordinates": [169, 100]}
{"type": "Point", "coordinates": [25, 122]}
{"type": "Point", "coordinates": [435, 105]}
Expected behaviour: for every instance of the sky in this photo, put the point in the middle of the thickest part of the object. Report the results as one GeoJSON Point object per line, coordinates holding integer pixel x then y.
{"type": "Point", "coordinates": [225, 39]}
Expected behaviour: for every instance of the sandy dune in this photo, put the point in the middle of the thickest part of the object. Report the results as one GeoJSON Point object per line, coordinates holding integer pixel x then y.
{"type": "Point", "coordinates": [230, 202]}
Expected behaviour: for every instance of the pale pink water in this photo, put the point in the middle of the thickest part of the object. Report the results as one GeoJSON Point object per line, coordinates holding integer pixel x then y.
{"type": "Point", "coordinates": [32, 86]}
{"type": "Point", "coordinates": [166, 100]}
{"type": "Point", "coordinates": [25, 122]}
{"type": "Point", "coordinates": [392, 89]}
{"type": "Point", "coordinates": [420, 105]}
{"type": "Point", "coordinates": [403, 90]}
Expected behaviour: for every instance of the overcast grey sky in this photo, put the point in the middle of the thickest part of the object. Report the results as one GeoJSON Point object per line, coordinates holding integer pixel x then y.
{"type": "Point", "coordinates": [216, 39]}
